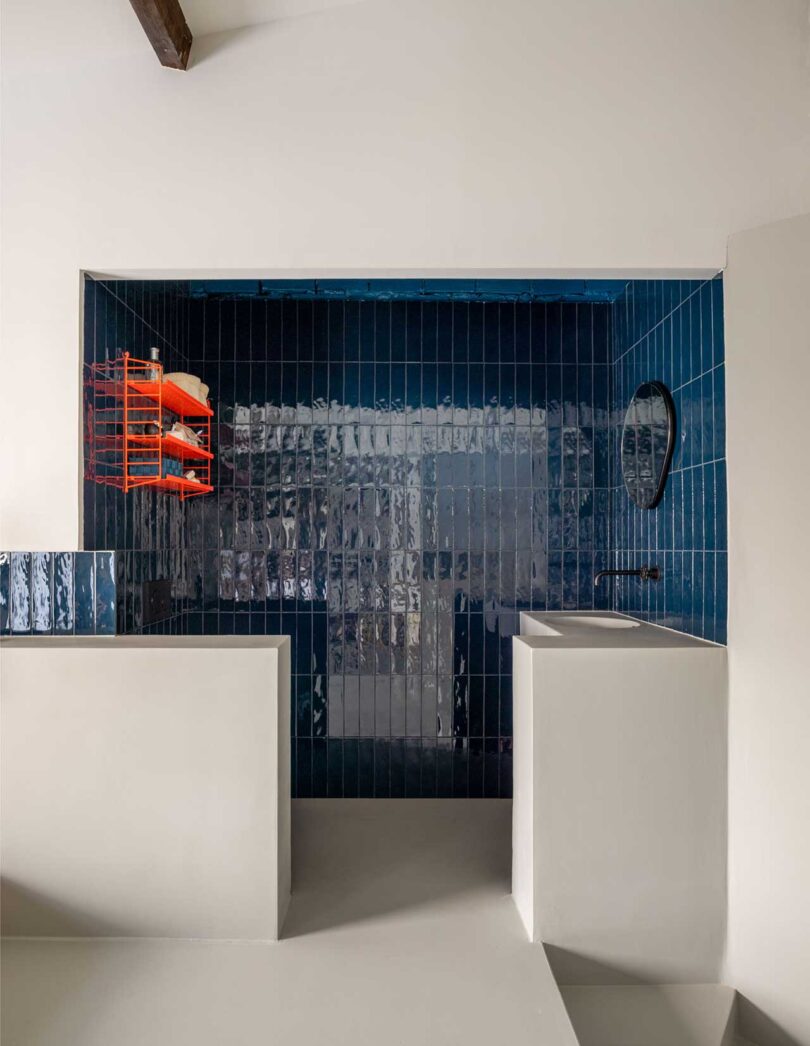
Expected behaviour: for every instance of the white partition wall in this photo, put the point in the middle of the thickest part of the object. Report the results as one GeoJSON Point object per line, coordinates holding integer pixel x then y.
{"type": "Point", "coordinates": [768, 364]}
{"type": "Point", "coordinates": [145, 787]}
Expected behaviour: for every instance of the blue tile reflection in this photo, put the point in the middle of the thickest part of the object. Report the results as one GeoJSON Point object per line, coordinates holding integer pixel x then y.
{"type": "Point", "coordinates": [84, 593]}
{"type": "Point", "coordinates": [5, 593]}
{"type": "Point", "coordinates": [63, 586]}
{"type": "Point", "coordinates": [20, 600]}
{"type": "Point", "coordinates": [399, 479]}
{"type": "Point", "coordinates": [105, 593]}
{"type": "Point", "coordinates": [42, 592]}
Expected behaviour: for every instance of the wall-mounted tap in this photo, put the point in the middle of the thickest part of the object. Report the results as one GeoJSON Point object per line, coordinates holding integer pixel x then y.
{"type": "Point", "coordinates": [645, 573]}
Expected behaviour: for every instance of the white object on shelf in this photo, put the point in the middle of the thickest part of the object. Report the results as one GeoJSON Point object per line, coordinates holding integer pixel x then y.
{"type": "Point", "coordinates": [189, 383]}
{"type": "Point", "coordinates": [183, 432]}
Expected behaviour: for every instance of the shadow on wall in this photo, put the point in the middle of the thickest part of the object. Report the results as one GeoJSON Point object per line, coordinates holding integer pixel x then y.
{"type": "Point", "coordinates": [204, 48]}
{"type": "Point", "coordinates": [571, 967]}
{"type": "Point", "coordinates": [29, 913]}
{"type": "Point", "coordinates": [216, 34]}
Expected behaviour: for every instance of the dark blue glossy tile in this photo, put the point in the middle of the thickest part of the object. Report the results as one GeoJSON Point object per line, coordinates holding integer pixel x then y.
{"type": "Point", "coordinates": [20, 586]}
{"type": "Point", "coordinates": [444, 769]}
{"type": "Point", "coordinates": [334, 768]}
{"type": "Point", "coordinates": [365, 768]}
{"type": "Point", "coordinates": [684, 351]}
{"type": "Point", "coordinates": [320, 771]}
{"type": "Point", "coordinates": [5, 593]}
{"type": "Point", "coordinates": [303, 767]}
{"type": "Point", "coordinates": [718, 336]}
{"type": "Point", "coordinates": [492, 767]}
{"type": "Point", "coordinates": [42, 593]}
{"type": "Point", "coordinates": [719, 418]}
{"type": "Point", "coordinates": [505, 769]}
{"type": "Point", "coordinates": [84, 594]}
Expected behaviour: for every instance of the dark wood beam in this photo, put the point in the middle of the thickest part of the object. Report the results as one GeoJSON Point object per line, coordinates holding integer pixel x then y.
{"type": "Point", "coordinates": [165, 25]}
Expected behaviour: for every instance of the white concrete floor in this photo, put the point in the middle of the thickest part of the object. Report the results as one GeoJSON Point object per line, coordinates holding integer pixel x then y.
{"type": "Point", "coordinates": [401, 930]}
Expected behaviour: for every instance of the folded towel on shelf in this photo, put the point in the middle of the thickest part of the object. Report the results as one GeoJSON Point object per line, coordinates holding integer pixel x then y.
{"type": "Point", "coordinates": [183, 432]}
{"type": "Point", "coordinates": [189, 383]}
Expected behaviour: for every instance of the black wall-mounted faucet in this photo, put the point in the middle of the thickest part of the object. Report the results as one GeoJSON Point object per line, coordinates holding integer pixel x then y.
{"type": "Point", "coordinates": [645, 573]}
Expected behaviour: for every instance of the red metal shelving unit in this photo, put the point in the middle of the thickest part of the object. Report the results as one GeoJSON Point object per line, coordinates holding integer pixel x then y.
{"type": "Point", "coordinates": [128, 407]}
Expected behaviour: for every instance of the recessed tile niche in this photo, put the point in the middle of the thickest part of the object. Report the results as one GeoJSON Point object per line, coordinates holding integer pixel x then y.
{"type": "Point", "coordinates": [403, 467]}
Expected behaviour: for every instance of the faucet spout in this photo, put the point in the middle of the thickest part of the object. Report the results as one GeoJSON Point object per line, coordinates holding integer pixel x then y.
{"type": "Point", "coordinates": [646, 573]}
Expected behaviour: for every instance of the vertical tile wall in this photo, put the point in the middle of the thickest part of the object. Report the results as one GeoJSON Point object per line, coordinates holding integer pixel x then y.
{"type": "Point", "coordinates": [672, 331]}
{"type": "Point", "coordinates": [146, 528]}
{"type": "Point", "coordinates": [57, 593]}
{"type": "Point", "coordinates": [396, 481]}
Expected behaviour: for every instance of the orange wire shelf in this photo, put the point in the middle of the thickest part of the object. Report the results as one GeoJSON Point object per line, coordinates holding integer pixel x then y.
{"type": "Point", "coordinates": [181, 485]}
{"type": "Point", "coordinates": [128, 407]}
{"type": "Point", "coordinates": [175, 448]}
{"type": "Point", "coordinates": [172, 397]}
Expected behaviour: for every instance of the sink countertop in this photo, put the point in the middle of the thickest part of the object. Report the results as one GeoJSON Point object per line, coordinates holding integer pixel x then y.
{"type": "Point", "coordinates": [571, 630]}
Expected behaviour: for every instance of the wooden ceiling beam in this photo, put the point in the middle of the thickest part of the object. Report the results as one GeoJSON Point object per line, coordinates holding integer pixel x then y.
{"type": "Point", "coordinates": [166, 27]}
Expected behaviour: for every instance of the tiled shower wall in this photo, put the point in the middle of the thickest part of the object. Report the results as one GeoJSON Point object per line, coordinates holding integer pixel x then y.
{"type": "Point", "coordinates": [672, 331]}
{"type": "Point", "coordinates": [396, 481]}
{"type": "Point", "coordinates": [146, 528]}
{"type": "Point", "coordinates": [57, 593]}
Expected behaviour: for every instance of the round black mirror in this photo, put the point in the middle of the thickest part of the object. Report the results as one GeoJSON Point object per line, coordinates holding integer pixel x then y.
{"type": "Point", "coordinates": [648, 438]}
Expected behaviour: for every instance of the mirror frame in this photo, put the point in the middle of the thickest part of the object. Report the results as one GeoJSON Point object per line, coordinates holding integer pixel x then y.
{"type": "Point", "coordinates": [669, 404]}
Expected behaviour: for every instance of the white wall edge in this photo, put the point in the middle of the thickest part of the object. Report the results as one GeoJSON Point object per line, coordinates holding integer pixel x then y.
{"type": "Point", "coordinates": [116, 273]}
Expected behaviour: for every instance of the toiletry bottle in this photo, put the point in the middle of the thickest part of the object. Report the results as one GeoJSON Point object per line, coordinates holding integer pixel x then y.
{"type": "Point", "coordinates": [154, 373]}
{"type": "Point", "coordinates": [154, 370]}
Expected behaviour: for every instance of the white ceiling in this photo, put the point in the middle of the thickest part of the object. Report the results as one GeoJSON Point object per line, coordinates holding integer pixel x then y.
{"type": "Point", "coordinates": [215, 16]}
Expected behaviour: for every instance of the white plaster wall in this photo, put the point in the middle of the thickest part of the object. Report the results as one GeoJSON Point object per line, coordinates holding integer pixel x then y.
{"type": "Point", "coordinates": [523, 135]}
{"type": "Point", "coordinates": [768, 377]}
{"type": "Point", "coordinates": [159, 807]}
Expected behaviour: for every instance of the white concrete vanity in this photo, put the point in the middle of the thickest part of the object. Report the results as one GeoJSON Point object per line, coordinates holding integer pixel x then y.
{"type": "Point", "coordinates": [619, 817]}
{"type": "Point", "coordinates": [145, 786]}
